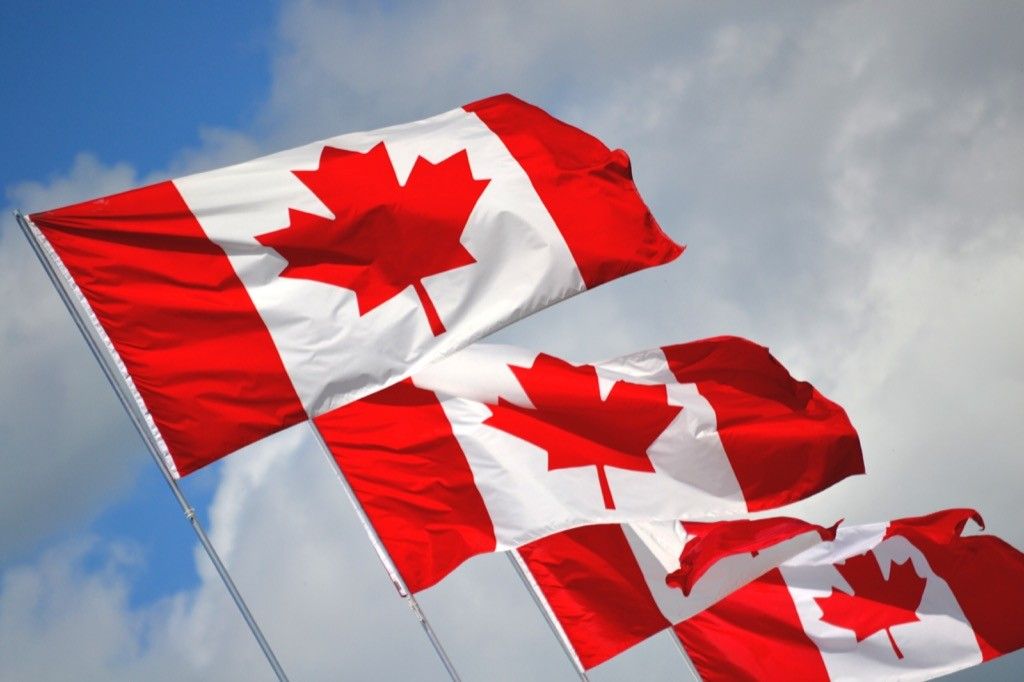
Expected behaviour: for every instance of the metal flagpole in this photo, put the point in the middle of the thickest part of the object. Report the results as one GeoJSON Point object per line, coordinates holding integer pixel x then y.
{"type": "Point", "coordinates": [389, 565]}
{"type": "Point", "coordinates": [542, 604]}
{"type": "Point", "coordinates": [78, 308]}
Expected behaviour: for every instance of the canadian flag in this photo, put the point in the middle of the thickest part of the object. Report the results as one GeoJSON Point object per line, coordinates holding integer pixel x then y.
{"type": "Point", "coordinates": [246, 299]}
{"type": "Point", "coordinates": [910, 599]}
{"type": "Point", "coordinates": [606, 586]}
{"type": "Point", "coordinates": [496, 446]}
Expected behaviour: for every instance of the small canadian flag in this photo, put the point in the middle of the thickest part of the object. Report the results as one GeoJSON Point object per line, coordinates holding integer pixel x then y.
{"type": "Point", "coordinates": [779, 599]}
{"type": "Point", "coordinates": [911, 599]}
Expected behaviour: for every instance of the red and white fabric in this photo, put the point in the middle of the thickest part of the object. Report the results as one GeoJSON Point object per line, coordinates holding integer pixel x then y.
{"type": "Point", "coordinates": [605, 586]}
{"type": "Point", "coordinates": [497, 446]}
{"type": "Point", "coordinates": [245, 299]}
{"type": "Point", "coordinates": [911, 599]}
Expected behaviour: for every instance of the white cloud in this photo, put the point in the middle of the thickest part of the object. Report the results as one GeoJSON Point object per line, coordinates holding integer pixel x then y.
{"type": "Point", "coordinates": [61, 620]}
{"type": "Point", "coordinates": [311, 578]}
{"type": "Point", "coordinates": [65, 445]}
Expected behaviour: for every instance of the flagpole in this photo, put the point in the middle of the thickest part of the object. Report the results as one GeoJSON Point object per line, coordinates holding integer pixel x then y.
{"type": "Point", "coordinates": [80, 312]}
{"type": "Point", "coordinates": [389, 565]}
{"type": "Point", "coordinates": [542, 604]}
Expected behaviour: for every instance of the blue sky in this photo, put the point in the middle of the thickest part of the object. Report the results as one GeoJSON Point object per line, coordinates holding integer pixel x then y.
{"type": "Point", "coordinates": [127, 81]}
{"type": "Point", "coordinates": [847, 178]}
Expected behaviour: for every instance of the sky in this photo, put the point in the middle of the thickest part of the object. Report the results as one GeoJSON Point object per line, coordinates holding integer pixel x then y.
{"type": "Point", "coordinates": [847, 178]}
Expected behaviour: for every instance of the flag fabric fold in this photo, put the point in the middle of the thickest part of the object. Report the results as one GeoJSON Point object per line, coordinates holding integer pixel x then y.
{"type": "Point", "coordinates": [607, 585]}
{"type": "Point", "coordinates": [910, 599]}
{"type": "Point", "coordinates": [709, 543]}
{"type": "Point", "coordinates": [497, 446]}
{"type": "Point", "coordinates": [245, 299]}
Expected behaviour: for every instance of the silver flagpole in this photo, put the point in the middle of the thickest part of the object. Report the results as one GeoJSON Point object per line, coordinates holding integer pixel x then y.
{"type": "Point", "coordinates": [542, 604]}
{"type": "Point", "coordinates": [77, 306]}
{"type": "Point", "coordinates": [389, 565]}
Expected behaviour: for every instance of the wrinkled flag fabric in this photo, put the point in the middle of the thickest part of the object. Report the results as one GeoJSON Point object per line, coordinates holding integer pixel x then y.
{"type": "Point", "coordinates": [911, 599]}
{"type": "Point", "coordinates": [246, 299]}
{"type": "Point", "coordinates": [607, 589]}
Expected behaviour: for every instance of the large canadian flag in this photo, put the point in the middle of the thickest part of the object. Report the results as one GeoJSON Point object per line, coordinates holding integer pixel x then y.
{"type": "Point", "coordinates": [246, 299]}
{"type": "Point", "coordinates": [911, 599]}
{"type": "Point", "coordinates": [496, 446]}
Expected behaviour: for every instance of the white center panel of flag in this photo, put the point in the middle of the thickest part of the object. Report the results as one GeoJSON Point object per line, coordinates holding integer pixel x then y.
{"type": "Point", "coordinates": [461, 374]}
{"type": "Point", "coordinates": [692, 470]}
{"type": "Point", "coordinates": [521, 259]}
{"type": "Point", "coordinates": [812, 575]}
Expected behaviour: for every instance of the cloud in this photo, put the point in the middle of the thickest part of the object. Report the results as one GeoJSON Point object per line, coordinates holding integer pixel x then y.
{"type": "Point", "coordinates": [68, 615]}
{"type": "Point", "coordinates": [66, 445]}
{"type": "Point", "coordinates": [300, 556]}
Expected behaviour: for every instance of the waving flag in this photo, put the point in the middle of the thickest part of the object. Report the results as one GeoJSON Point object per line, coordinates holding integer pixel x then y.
{"type": "Point", "coordinates": [246, 299]}
{"type": "Point", "coordinates": [606, 585]}
{"type": "Point", "coordinates": [497, 446]}
{"type": "Point", "coordinates": [911, 599]}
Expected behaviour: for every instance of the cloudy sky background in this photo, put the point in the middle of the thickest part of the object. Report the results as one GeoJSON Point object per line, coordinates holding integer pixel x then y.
{"type": "Point", "coordinates": [848, 179]}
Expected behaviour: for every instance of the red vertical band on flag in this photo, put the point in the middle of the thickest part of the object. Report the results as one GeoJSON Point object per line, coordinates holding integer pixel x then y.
{"type": "Point", "coordinates": [723, 646]}
{"type": "Point", "coordinates": [397, 451]}
{"type": "Point", "coordinates": [985, 573]}
{"type": "Point", "coordinates": [587, 188]}
{"type": "Point", "coordinates": [180, 319]}
{"type": "Point", "coordinates": [596, 588]}
{"type": "Point", "coordinates": [784, 440]}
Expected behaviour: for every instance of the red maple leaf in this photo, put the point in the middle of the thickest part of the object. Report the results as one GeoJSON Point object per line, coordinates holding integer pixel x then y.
{"type": "Point", "coordinates": [384, 236]}
{"type": "Point", "coordinates": [577, 427]}
{"type": "Point", "coordinates": [876, 603]}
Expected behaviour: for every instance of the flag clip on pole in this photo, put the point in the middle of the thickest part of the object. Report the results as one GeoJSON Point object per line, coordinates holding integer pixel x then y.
{"type": "Point", "coordinates": [110, 363]}
{"type": "Point", "coordinates": [542, 604]}
{"type": "Point", "coordinates": [389, 565]}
